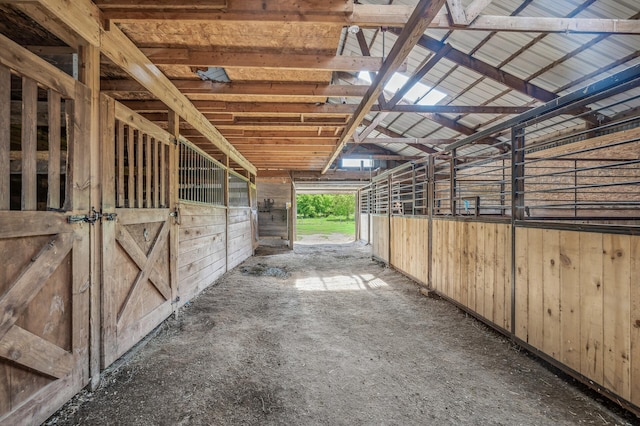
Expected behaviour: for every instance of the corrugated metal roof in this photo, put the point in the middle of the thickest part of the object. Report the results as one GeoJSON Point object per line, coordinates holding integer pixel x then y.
{"type": "Point", "coordinates": [523, 55]}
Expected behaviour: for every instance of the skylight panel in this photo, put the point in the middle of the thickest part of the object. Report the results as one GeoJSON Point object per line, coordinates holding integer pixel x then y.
{"type": "Point", "coordinates": [432, 98]}
{"type": "Point", "coordinates": [420, 93]}
{"type": "Point", "coordinates": [357, 162]}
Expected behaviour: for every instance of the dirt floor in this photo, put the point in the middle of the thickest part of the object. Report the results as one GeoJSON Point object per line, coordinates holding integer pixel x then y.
{"type": "Point", "coordinates": [325, 336]}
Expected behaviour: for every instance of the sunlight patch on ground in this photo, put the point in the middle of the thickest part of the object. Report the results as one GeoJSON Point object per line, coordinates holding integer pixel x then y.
{"type": "Point", "coordinates": [340, 283]}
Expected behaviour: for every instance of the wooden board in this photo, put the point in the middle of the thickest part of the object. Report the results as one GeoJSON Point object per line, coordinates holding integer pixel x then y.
{"type": "Point", "coordinates": [239, 243]}
{"type": "Point", "coordinates": [616, 275]}
{"type": "Point", "coordinates": [591, 302]}
{"type": "Point", "coordinates": [551, 293]}
{"type": "Point", "coordinates": [635, 320]}
{"type": "Point", "coordinates": [521, 267]}
{"type": "Point", "coordinates": [202, 251]}
{"type": "Point", "coordinates": [570, 306]}
{"type": "Point", "coordinates": [380, 237]}
{"type": "Point", "coordinates": [409, 240]}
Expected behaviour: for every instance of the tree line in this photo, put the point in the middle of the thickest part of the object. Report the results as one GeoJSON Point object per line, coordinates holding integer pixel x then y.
{"type": "Point", "coordinates": [323, 205]}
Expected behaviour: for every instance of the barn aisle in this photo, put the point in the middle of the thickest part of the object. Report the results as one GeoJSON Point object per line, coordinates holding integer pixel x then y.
{"type": "Point", "coordinates": [324, 335]}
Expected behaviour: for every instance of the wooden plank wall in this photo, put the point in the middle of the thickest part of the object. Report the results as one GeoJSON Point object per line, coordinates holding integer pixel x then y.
{"type": "Point", "coordinates": [471, 264]}
{"type": "Point", "coordinates": [239, 243]}
{"type": "Point", "coordinates": [410, 246]}
{"type": "Point", "coordinates": [364, 227]}
{"type": "Point", "coordinates": [202, 252]}
{"type": "Point", "coordinates": [380, 236]}
{"type": "Point", "coordinates": [578, 301]}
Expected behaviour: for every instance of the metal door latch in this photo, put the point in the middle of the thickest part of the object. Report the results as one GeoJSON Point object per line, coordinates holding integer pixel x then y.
{"type": "Point", "coordinates": [92, 217]}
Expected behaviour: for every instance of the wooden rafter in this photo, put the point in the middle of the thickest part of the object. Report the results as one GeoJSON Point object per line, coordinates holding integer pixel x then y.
{"type": "Point", "coordinates": [203, 58]}
{"type": "Point", "coordinates": [250, 107]}
{"type": "Point", "coordinates": [408, 141]}
{"type": "Point", "coordinates": [423, 14]}
{"type": "Point", "coordinates": [364, 49]}
{"type": "Point", "coordinates": [432, 62]}
{"type": "Point", "coordinates": [460, 58]}
{"type": "Point", "coordinates": [119, 87]}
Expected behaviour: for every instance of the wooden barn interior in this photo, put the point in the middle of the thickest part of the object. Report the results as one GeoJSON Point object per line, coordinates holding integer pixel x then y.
{"type": "Point", "coordinates": [147, 146]}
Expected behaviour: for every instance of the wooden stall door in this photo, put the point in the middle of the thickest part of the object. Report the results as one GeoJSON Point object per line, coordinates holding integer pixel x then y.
{"type": "Point", "coordinates": [44, 276]}
{"type": "Point", "coordinates": [139, 258]}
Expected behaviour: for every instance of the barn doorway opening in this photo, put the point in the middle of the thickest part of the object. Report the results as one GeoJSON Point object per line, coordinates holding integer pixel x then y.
{"type": "Point", "coordinates": [325, 218]}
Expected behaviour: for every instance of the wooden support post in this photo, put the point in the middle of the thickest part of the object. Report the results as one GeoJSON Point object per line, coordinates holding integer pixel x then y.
{"type": "Point", "coordinates": [173, 202]}
{"type": "Point", "coordinates": [108, 235]}
{"type": "Point", "coordinates": [292, 216]}
{"type": "Point", "coordinates": [225, 161]}
{"type": "Point", "coordinates": [389, 208]}
{"type": "Point", "coordinates": [517, 173]}
{"type": "Point", "coordinates": [517, 207]}
{"type": "Point", "coordinates": [430, 195]}
{"type": "Point", "coordinates": [452, 182]}
{"type": "Point", "coordinates": [357, 214]}
{"type": "Point", "coordinates": [90, 76]}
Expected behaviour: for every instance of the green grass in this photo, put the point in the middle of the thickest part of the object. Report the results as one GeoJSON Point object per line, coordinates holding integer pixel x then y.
{"type": "Point", "coordinates": [330, 225]}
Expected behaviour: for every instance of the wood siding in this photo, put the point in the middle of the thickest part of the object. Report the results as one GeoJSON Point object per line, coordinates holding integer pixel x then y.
{"type": "Point", "coordinates": [578, 301]}
{"type": "Point", "coordinates": [410, 246]}
{"type": "Point", "coordinates": [380, 237]}
{"type": "Point", "coordinates": [239, 243]}
{"type": "Point", "coordinates": [472, 265]}
{"type": "Point", "coordinates": [201, 250]}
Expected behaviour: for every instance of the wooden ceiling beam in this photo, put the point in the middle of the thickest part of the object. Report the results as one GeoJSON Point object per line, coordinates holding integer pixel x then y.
{"type": "Point", "coordinates": [163, 4]}
{"type": "Point", "coordinates": [238, 142]}
{"type": "Point", "coordinates": [460, 109]}
{"type": "Point", "coordinates": [386, 157]}
{"type": "Point", "coordinates": [422, 148]}
{"type": "Point", "coordinates": [427, 141]}
{"type": "Point", "coordinates": [203, 58]}
{"type": "Point", "coordinates": [363, 15]}
{"type": "Point", "coordinates": [250, 108]}
{"type": "Point", "coordinates": [229, 119]}
{"type": "Point", "coordinates": [424, 12]}
{"type": "Point", "coordinates": [337, 7]}
{"type": "Point", "coordinates": [119, 87]}
{"type": "Point", "coordinates": [545, 25]}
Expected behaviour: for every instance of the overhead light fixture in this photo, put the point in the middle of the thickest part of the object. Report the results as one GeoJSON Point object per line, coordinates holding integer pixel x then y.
{"type": "Point", "coordinates": [354, 29]}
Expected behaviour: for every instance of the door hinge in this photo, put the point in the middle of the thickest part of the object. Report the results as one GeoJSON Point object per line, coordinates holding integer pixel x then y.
{"type": "Point", "coordinates": [92, 217]}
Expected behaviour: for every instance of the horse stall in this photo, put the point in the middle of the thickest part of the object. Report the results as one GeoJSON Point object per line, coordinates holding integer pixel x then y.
{"type": "Point", "coordinates": [166, 217]}
{"type": "Point", "coordinates": [532, 227]}
{"type": "Point", "coordinates": [44, 280]}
